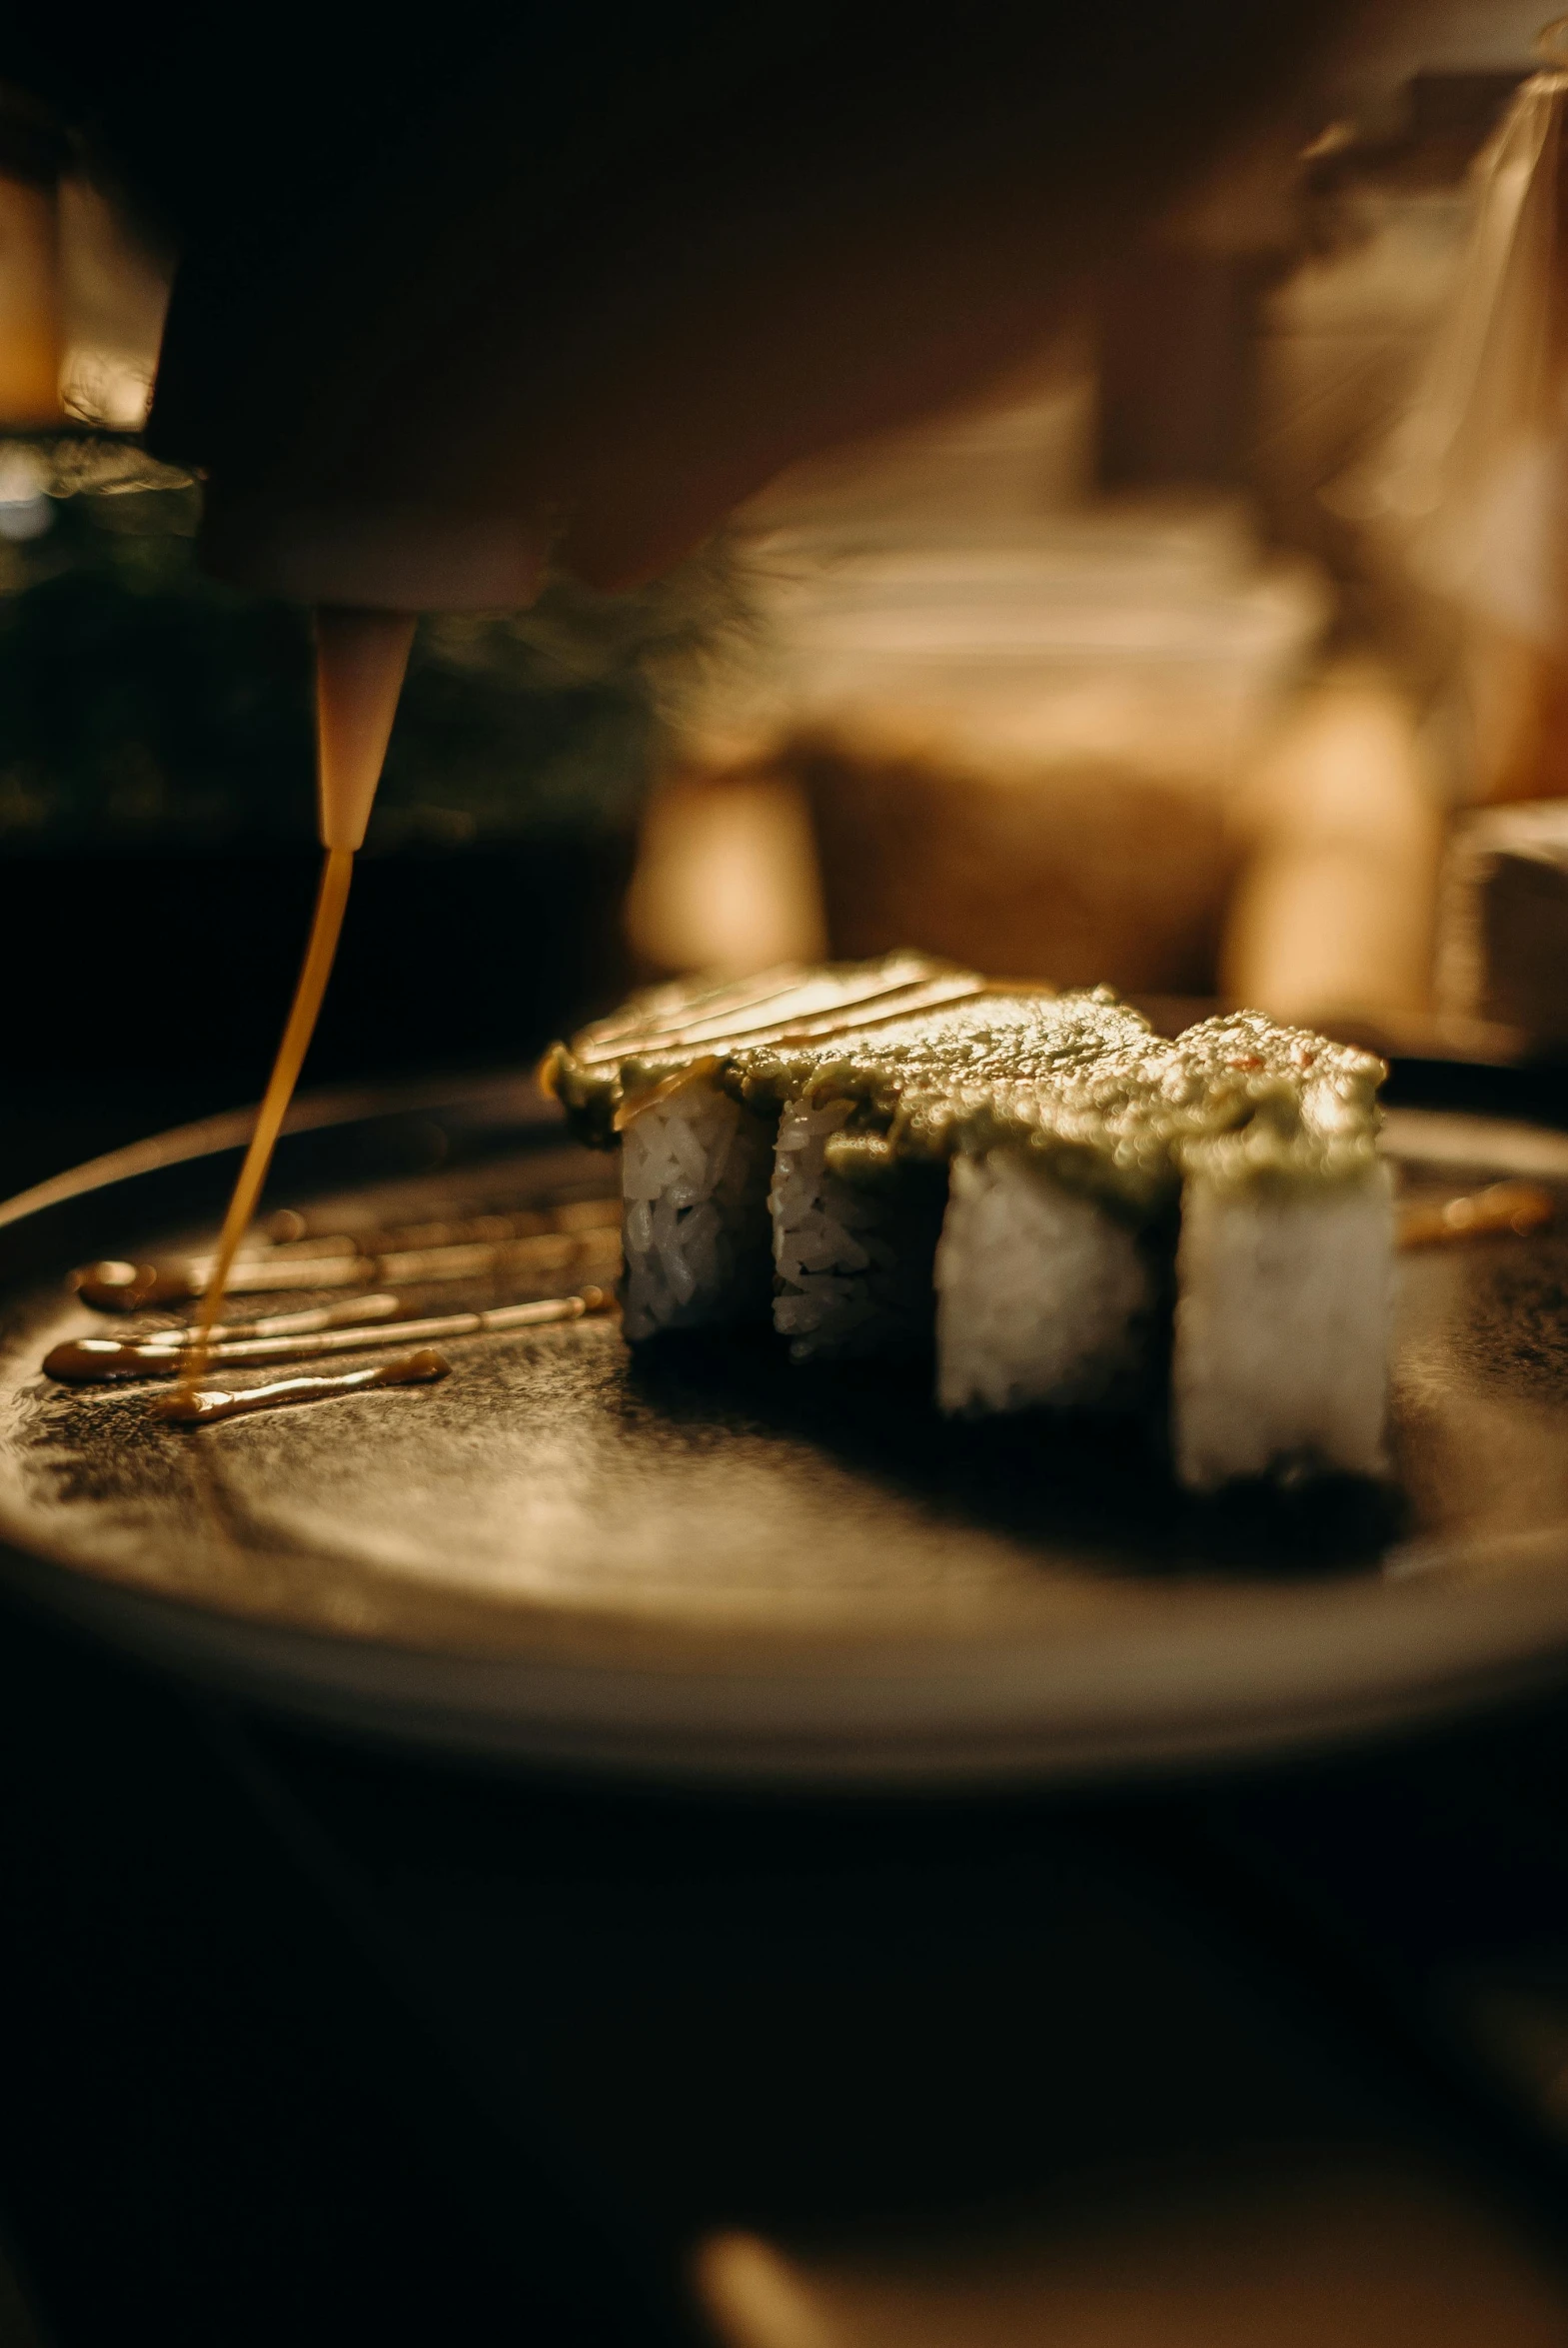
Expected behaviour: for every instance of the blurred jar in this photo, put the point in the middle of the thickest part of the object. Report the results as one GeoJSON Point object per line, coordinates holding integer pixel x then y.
{"type": "Point", "coordinates": [1341, 825]}
{"type": "Point", "coordinates": [1015, 742]}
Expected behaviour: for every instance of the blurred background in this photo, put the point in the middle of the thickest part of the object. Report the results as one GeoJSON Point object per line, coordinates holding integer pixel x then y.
{"type": "Point", "coordinates": [1115, 674]}
{"type": "Point", "coordinates": [1123, 672]}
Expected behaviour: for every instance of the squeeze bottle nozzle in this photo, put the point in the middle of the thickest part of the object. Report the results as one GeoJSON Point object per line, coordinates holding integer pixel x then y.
{"type": "Point", "coordinates": [361, 656]}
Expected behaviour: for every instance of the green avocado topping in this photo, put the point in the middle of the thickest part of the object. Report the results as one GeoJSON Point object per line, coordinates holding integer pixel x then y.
{"type": "Point", "coordinates": [1078, 1081]}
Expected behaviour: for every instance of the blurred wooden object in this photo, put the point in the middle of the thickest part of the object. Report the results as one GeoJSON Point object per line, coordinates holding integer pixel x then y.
{"type": "Point", "coordinates": [30, 333]}
{"type": "Point", "coordinates": [1461, 499]}
{"type": "Point", "coordinates": [1177, 357]}
{"type": "Point", "coordinates": [1073, 870]}
{"type": "Point", "coordinates": [1342, 834]}
{"type": "Point", "coordinates": [33, 152]}
{"type": "Point", "coordinates": [1365, 2253]}
{"type": "Point", "coordinates": [1384, 218]}
{"type": "Point", "coordinates": [1503, 920]}
{"type": "Point", "coordinates": [1307, 889]}
{"type": "Point", "coordinates": [1017, 740]}
{"type": "Point", "coordinates": [1516, 714]}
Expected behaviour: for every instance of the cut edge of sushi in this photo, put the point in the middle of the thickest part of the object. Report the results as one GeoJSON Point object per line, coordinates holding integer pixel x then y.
{"type": "Point", "coordinates": [695, 1171]}
{"type": "Point", "coordinates": [852, 1259]}
{"type": "Point", "coordinates": [1044, 1298]}
{"type": "Point", "coordinates": [1281, 1358]}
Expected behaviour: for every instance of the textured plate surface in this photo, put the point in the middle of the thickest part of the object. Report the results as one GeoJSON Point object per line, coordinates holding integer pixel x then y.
{"type": "Point", "coordinates": [712, 1563]}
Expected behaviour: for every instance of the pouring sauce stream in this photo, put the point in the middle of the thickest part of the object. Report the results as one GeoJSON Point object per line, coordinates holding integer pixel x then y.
{"type": "Point", "coordinates": [360, 660]}
{"type": "Point", "coordinates": [326, 927]}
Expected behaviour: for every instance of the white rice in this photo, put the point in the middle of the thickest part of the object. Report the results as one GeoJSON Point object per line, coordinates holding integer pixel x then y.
{"type": "Point", "coordinates": [1282, 1323]}
{"type": "Point", "coordinates": [1042, 1297]}
{"type": "Point", "coordinates": [853, 1261]}
{"type": "Point", "coordinates": [695, 1171]}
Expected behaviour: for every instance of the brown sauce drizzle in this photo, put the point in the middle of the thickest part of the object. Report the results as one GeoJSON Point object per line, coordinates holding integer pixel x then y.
{"type": "Point", "coordinates": [550, 1240]}
{"type": "Point", "coordinates": [84, 1361]}
{"type": "Point", "coordinates": [203, 1406]}
{"type": "Point", "coordinates": [519, 1222]}
{"type": "Point", "coordinates": [117, 1286]}
{"type": "Point", "coordinates": [355, 1308]}
{"type": "Point", "coordinates": [845, 1010]}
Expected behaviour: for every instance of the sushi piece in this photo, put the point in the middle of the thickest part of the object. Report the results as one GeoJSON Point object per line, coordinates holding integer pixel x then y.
{"type": "Point", "coordinates": [711, 1203]}
{"type": "Point", "coordinates": [1055, 1270]}
{"type": "Point", "coordinates": [865, 1136]}
{"type": "Point", "coordinates": [1216, 1200]}
{"type": "Point", "coordinates": [853, 1256]}
{"type": "Point", "coordinates": [1044, 1298]}
{"type": "Point", "coordinates": [1279, 1363]}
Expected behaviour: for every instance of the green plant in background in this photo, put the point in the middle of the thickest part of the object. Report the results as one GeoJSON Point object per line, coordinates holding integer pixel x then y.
{"type": "Point", "coordinates": [143, 705]}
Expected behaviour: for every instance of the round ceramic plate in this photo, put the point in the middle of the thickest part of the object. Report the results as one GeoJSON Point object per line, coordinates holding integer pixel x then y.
{"type": "Point", "coordinates": [710, 1565]}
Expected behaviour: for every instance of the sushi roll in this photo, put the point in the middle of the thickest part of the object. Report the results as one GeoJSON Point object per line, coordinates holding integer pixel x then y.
{"type": "Point", "coordinates": [1070, 1211]}
{"type": "Point", "coordinates": [1055, 1270]}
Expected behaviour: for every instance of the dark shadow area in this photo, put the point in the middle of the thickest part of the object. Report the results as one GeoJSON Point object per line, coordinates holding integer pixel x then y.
{"type": "Point", "coordinates": [809, 2011]}
{"type": "Point", "coordinates": [1100, 1486]}
{"type": "Point", "coordinates": [158, 970]}
{"type": "Point", "coordinates": [1537, 1090]}
{"type": "Point", "coordinates": [221, 2127]}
